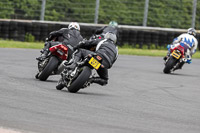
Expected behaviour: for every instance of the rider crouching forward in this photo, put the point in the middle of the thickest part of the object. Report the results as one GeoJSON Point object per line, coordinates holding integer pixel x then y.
{"type": "Point", "coordinates": [68, 36]}
{"type": "Point", "coordinates": [106, 48]}
{"type": "Point", "coordinates": [188, 39]}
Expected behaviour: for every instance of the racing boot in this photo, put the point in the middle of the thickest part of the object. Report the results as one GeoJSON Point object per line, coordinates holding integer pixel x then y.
{"type": "Point", "coordinates": [98, 80]}
{"type": "Point", "coordinates": [73, 64]}
{"type": "Point", "coordinates": [43, 55]}
{"type": "Point", "coordinates": [181, 65]}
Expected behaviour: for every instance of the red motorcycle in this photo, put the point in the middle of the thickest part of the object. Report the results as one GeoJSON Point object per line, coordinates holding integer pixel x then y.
{"type": "Point", "coordinates": [177, 58]}
{"type": "Point", "coordinates": [53, 64]}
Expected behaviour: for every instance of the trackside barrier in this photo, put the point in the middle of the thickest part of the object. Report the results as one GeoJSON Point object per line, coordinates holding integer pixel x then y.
{"type": "Point", "coordinates": [131, 35]}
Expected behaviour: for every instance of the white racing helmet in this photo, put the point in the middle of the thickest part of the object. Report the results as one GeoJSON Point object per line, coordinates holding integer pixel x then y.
{"type": "Point", "coordinates": [192, 31]}
{"type": "Point", "coordinates": [74, 25]}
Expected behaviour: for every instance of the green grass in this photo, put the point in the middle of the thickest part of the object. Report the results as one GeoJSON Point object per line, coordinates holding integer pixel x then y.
{"type": "Point", "coordinates": [160, 51]}
{"type": "Point", "coordinates": [142, 52]}
{"type": "Point", "coordinates": [18, 44]}
{"type": "Point", "coordinates": [125, 50]}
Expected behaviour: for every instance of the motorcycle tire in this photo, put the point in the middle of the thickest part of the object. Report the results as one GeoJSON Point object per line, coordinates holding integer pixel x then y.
{"type": "Point", "coordinates": [49, 68]}
{"type": "Point", "coordinates": [169, 65]}
{"type": "Point", "coordinates": [80, 80]}
{"type": "Point", "coordinates": [36, 76]}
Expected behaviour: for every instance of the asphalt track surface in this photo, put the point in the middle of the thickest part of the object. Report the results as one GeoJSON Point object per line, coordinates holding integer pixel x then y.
{"type": "Point", "coordinates": [139, 98]}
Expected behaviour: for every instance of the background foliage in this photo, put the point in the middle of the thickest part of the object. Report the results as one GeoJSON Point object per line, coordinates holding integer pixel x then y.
{"type": "Point", "coordinates": [162, 13]}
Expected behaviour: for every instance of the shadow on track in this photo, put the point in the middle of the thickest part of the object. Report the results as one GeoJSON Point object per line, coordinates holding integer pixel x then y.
{"type": "Point", "coordinates": [86, 93]}
{"type": "Point", "coordinates": [182, 74]}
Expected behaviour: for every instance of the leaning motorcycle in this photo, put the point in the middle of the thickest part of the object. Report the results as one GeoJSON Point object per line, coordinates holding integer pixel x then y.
{"type": "Point", "coordinates": [179, 55]}
{"type": "Point", "coordinates": [77, 78]}
{"type": "Point", "coordinates": [53, 64]}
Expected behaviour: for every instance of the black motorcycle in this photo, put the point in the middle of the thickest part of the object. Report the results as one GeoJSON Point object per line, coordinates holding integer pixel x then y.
{"type": "Point", "coordinates": [77, 78]}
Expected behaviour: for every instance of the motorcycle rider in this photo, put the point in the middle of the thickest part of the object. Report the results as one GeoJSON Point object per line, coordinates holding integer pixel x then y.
{"type": "Point", "coordinates": [112, 27]}
{"type": "Point", "coordinates": [68, 36]}
{"type": "Point", "coordinates": [105, 48]}
{"type": "Point", "coordinates": [188, 39]}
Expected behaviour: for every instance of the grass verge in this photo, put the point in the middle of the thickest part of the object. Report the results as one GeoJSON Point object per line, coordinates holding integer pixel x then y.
{"type": "Point", "coordinates": [122, 50]}
{"type": "Point", "coordinates": [18, 44]}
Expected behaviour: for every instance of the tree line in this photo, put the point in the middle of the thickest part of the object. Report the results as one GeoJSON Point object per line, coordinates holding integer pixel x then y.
{"type": "Point", "coordinates": [161, 13]}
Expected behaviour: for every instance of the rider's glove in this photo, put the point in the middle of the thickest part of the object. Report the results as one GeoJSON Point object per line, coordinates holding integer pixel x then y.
{"type": "Point", "coordinates": [47, 39]}
{"type": "Point", "coordinates": [93, 36]}
{"type": "Point", "coordinates": [80, 44]}
{"type": "Point", "coordinates": [168, 46]}
{"type": "Point", "coordinates": [83, 42]}
{"type": "Point", "coordinates": [189, 61]}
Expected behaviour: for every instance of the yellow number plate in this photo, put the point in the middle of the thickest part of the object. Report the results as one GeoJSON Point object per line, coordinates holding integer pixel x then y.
{"type": "Point", "coordinates": [176, 55]}
{"type": "Point", "coordinates": [93, 62]}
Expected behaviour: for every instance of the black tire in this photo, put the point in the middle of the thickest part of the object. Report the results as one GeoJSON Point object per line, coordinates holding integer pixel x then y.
{"type": "Point", "coordinates": [60, 86]}
{"type": "Point", "coordinates": [50, 67]}
{"type": "Point", "coordinates": [36, 76]}
{"type": "Point", "coordinates": [80, 80]}
{"type": "Point", "coordinates": [170, 64]}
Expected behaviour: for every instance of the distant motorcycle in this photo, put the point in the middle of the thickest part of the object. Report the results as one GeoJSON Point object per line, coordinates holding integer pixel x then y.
{"type": "Point", "coordinates": [179, 55]}
{"type": "Point", "coordinates": [53, 64]}
{"type": "Point", "coordinates": [76, 79]}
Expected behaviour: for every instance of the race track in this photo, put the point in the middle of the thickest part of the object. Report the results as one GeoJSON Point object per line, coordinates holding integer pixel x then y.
{"type": "Point", "coordinates": [139, 98]}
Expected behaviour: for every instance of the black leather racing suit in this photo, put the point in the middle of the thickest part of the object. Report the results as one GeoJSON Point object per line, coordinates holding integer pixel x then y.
{"type": "Point", "coordinates": [107, 50]}
{"type": "Point", "coordinates": [68, 37]}
{"type": "Point", "coordinates": [106, 29]}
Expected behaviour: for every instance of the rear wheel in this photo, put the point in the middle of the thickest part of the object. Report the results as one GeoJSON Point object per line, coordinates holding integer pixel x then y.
{"type": "Point", "coordinates": [80, 80]}
{"type": "Point", "coordinates": [49, 68]}
{"type": "Point", "coordinates": [170, 64]}
{"type": "Point", "coordinates": [36, 76]}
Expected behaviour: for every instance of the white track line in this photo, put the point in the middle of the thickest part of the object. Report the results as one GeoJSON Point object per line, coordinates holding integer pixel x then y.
{"type": "Point", "coordinates": [3, 130]}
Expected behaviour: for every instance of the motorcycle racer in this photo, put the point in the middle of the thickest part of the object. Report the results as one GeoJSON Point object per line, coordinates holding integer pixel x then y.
{"type": "Point", "coordinates": [188, 39]}
{"type": "Point", "coordinates": [112, 28]}
{"type": "Point", "coordinates": [106, 48]}
{"type": "Point", "coordinates": [68, 36]}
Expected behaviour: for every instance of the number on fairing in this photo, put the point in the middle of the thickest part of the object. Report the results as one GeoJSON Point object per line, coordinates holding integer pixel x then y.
{"type": "Point", "coordinates": [176, 55]}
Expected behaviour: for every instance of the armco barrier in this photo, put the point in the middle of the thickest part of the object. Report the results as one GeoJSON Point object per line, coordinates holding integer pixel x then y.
{"type": "Point", "coordinates": [131, 35]}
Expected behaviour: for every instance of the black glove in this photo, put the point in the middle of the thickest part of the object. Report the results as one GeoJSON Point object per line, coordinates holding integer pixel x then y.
{"type": "Point", "coordinates": [93, 36]}
{"type": "Point", "coordinates": [80, 44]}
{"type": "Point", "coordinates": [84, 41]}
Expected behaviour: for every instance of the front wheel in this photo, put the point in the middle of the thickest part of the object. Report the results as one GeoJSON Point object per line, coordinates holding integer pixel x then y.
{"type": "Point", "coordinates": [170, 64]}
{"type": "Point", "coordinates": [49, 68]}
{"type": "Point", "coordinates": [80, 80]}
